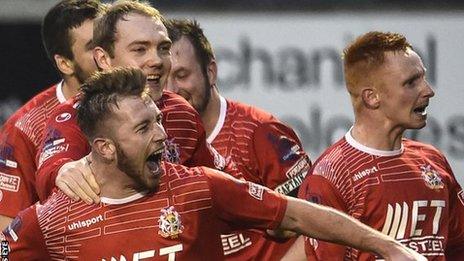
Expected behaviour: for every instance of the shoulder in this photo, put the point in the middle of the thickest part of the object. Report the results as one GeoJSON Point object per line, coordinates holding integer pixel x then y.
{"type": "Point", "coordinates": [249, 112]}
{"type": "Point", "coordinates": [44, 98]}
{"type": "Point", "coordinates": [173, 100]}
{"type": "Point", "coordinates": [334, 154]}
{"type": "Point", "coordinates": [181, 176]}
{"type": "Point", "coordinates": [425, 149]}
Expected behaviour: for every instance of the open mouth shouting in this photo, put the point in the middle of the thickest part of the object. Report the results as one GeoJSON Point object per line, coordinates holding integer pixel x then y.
{"type": "Point", "coordinates": [154, 162]}
{"type": "Point", "coordinates": [421, 110]}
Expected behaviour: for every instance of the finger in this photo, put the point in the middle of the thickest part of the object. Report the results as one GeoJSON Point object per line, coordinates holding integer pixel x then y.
{"type": "Point", "coordinates": [76, 188]}
{"type": "Point", "coordinates": [82, 180]}
{"type": "Point", "coordinates": [66, 190]}
{"type": "Point", "coordinates": [90, 177]}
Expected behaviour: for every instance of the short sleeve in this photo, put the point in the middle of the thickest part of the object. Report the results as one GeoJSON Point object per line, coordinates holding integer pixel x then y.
{"type": "Point", "coordinates": [244, 204]}
{"type": "Point", "coordinates": [17, 171]}
{"type": "Point", "coordinates": [280, 157]}
{"type": "Point", "coordinates": [24, 237]}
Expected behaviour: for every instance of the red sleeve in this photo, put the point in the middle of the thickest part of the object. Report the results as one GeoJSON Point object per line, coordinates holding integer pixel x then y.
{"type": "Point", "coordinates": [17, 171]}
{"type": "Point", "coordinates": [455, 245]}
{"type": "Point", "coordinates": [63, 142]}
{"type": "Point", "coordinates": [319, 190]}
{"type": "Point", "coordinates": [186, 143]}
{"type": "Point", "coordinates": [25, 238]}
{"type": "Point", "coordinates": [278, 152]}
{"type": "Point", "coordinates": [243, 204]}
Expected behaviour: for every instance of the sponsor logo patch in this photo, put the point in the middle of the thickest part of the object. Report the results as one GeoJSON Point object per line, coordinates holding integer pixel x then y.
{"type": "Point", "coordinates": [287, 149]}
{"type": "Point", "coordinates": [302, 165]}
{"type": "Point", "coordinates": [255, 190]}
{"type": "Point", "coordinates": [9, 182]}
{"type": "Point", "coordinates": [170, 223]}
{"type": "Point", "coordinates": [431, 177]}
{"type": "Point", "coordinates": [13, 228]}
{"type": "Point", "coordinates": [6, 156]}
{"type": "Point", "coordinates": [63, 117]}
{"type": "Point", "coordinates": [52, 148]}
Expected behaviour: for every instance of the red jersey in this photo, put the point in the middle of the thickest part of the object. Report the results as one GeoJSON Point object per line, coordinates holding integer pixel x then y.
{"type": "Point", "coordinates": [20, 137]}
{"type": "Point", "coordinates": [409, 194]}
{"type": "Point", "coordinates": [181, 221]}
{"type": "Point", "coordinates": [65, 142]}
{"type": "Point", "coordinates": [266, 152]}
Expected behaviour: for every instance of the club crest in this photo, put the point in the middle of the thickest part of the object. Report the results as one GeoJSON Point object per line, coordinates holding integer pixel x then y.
{"type": "Point", "coordinates": [171, 151]}
{"type": "Point", "coordinates": [170, 224]}
{"type": "Point", "coordinates": [431, 177]}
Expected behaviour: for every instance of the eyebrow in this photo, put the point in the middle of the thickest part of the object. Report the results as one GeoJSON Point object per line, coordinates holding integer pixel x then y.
{"type": "Point", "coordinates": [139, 42]}
{"type": "Point", "coordinates": [140, 124]}
{"type": "Point", "coordinates": [414, 77]}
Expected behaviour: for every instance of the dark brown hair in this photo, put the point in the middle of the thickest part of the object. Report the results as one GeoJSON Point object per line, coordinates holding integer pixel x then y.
{"type": "Point", "coordinates": [101, 92]}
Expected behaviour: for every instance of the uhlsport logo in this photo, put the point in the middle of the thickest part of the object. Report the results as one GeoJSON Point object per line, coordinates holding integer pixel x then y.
{"type": "Point", "coordinates": [63, 117]}
{"type": "Point", "coordinates": [170, 224]}
{"type": "Point", "coordinates": [431, 177]}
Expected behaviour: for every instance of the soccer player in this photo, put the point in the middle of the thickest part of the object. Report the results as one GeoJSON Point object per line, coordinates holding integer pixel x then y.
{"type": "Point", "coordinates": [130, 33]}
{"type": "Point", "coordinates": [266, 151]}
{"type": "Point", "coordinates": [152, 209]}
{"type": "Point", "coordinates": [67, 36]}
{"type": "Point", "coordinates": [404, 188]}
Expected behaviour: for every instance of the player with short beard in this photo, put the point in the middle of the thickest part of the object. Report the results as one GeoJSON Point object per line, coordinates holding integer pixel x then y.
{"type": "Point", "coordinates": [169, 212]}
{"type": "Point", "coordinates": [265, 150]}
{"type": "Point", "coordinates": [67, 36]}
{"type": "Point", "coordinates": [132, 34]}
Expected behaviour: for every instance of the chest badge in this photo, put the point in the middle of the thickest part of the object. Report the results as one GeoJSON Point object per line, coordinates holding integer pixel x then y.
{"type": "Point", "coordinates": [170, 224]}
{"type": "Point", "coordinates": [431, 177]}
{"type": "Point", "coordinates": [171, 152]}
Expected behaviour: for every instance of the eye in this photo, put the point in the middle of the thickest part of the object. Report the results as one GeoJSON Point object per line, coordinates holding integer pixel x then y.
{"type": "Point", "coordinates": [142, 129]}
{"type": "Point", "coordinates": [139, 49]}
{"type": "Point", "coordinates": [181, 75]}
{"type": "Point", "coordinates": [165, 48]}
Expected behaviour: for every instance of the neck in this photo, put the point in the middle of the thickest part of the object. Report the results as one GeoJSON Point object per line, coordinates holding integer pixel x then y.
{"type": "Point", "coordinates": [113, 182]}
{"type": "Point", "coordinates": [210, 115]}
{"type": "Point", "coordinates": [70, 87]}
{"type": "Point", "coordinates": [377, 134]}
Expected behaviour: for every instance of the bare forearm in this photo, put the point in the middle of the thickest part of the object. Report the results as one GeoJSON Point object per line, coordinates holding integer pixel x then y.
{"type": "Point", "coordinates": [331, 225]}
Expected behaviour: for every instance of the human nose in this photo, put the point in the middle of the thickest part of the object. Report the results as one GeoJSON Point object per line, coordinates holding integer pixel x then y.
{"type": "Point", "coordinates": [429, 90]}
{"type": "Point", "coordinates": [153, 59]}
{"type": "Point", "coordinates": [159, 134]}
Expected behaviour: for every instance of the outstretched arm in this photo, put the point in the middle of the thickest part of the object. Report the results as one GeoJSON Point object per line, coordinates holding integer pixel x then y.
{"type": "Point", "coordinates": [331, 225]}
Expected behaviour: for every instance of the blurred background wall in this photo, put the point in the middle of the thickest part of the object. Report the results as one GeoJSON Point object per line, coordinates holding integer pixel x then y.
{"type": "Point", "coordinates": [282, 56]}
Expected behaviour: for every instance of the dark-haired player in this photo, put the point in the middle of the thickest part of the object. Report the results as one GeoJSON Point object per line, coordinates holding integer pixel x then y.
{"type": "Point", "coordinates": [67, 36]}
{"type": "Point", "coordinates": [130, 33]}
{"type": "Point", "coordinates": [152, 209]}
{"type": "Point", "coordinates": [266, 151]}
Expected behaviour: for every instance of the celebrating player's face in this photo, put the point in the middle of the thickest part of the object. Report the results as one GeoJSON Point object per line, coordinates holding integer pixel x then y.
{"type": "Point", "coordinates": [404, 91]}
{"type": "Point", "coordinates": [83, 62]}
{"type": "Point", "coordinates": [143, 42]}
{"type": "Point", "coordinates": [186, 78]}
{"type": "Point", "coordinates": [139, 139]}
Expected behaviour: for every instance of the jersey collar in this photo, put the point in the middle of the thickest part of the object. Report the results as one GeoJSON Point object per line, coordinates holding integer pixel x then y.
{"type": "Point", "coordinates": [383, 153]}
{"type": "Point", "coordinates": [59, 92]}
{"type": "Point", "coordinates": [220, 122]}
{"type": "Point", "coordinates": [119, 201]}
